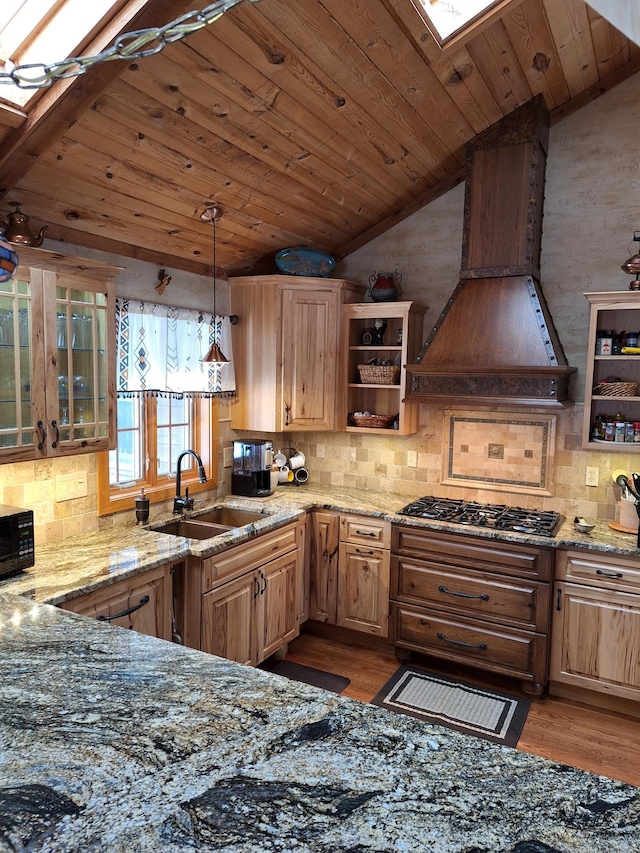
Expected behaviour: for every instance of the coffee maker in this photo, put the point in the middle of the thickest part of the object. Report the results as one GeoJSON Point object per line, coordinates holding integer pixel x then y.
{"type": "Point", "coordinates": [251, 474]}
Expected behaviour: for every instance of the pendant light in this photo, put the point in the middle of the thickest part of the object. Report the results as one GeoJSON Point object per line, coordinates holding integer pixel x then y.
{"type": "Point", "coordinates": [214, 354]}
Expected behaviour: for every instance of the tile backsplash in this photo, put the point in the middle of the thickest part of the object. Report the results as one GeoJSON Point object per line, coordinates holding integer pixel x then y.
{"type": "Point", "coordinates": [358, 460]}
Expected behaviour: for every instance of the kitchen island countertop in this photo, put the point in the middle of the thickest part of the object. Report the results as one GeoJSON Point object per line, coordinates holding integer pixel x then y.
{"type": "Point", "coordinates": [87, 562]}
{"type": "Point", "coordinates": [114, 741]}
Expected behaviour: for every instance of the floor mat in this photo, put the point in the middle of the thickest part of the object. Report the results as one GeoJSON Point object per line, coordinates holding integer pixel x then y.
{"type": "Point", "coordinates": [308, 675]}
{"type": "Point", "coordinates": [489, 714]}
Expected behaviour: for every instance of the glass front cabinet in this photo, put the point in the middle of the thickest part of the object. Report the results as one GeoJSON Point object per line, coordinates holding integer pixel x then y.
{"type": "Point", "coordinates": [57, 357]}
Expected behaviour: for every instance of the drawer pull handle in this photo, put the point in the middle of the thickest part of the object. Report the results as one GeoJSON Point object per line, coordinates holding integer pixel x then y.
{"type": "Point", "coordinates": [144, 600]}
{"type": "Point", "coordinates": [368, 553]}
{"type": "Point", "coordinates": [608, 574]}
{"type": "Point", "coordinates": [483, 597]}
{"type": "Point", "coordinates": [365, 533]}
{"type": "Point", "coordinates": [481, 646]}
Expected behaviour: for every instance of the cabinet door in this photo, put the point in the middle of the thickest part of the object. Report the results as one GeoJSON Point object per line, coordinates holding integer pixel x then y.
{"type": "Point", "coordinates": [323, 559]}
{"type": "Point", "coordinates": [228, 619]}
{"type": "Point", "coordinates": [79, 336]}
{"type": "Point", "coordinates": [309, 351]}
{"type": "Point", "coordinates": [18, 436]}
{"type": "Point", "coordinates": [142, 603]}
{"type": "Point", "coordinates": [277, 606]}
{"type": "Point", "coordinates": [596, 640]}
{"type": "Point", "coordinates": [363, 583]}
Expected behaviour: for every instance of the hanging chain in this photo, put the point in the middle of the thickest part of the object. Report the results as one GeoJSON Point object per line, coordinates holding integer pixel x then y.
{"type": "Point", "coordinates": [133, 45]}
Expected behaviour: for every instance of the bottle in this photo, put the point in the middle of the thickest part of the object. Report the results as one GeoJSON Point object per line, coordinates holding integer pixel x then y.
{"type": "Point", "coordinates": [142, 508]}
{"type": "Point", "coordinates": [636, 431]}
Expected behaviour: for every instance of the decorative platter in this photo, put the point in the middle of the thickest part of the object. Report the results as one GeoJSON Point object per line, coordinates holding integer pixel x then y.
{"type": "Point", "coordinates": [301, 260]}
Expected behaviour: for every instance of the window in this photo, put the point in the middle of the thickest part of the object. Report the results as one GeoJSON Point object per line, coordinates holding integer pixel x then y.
{"type": "Point", "coordinates": [152, 432]}
{"type": "Point", "coordinates": [167, 402]}
{"type": "Point", "coordinates": [45, 31]}
{"type": "Point", "coordinates": [448, 17]}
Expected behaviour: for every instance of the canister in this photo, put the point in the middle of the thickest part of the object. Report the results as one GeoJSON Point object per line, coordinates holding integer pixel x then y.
{"type": "Point", "coordinates": [604, 342]}
{"type": "Point", "coordinates": [619, 431]}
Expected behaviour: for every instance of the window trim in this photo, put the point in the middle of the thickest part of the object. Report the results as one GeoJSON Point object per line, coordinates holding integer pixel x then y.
{"type": "Point", "coordinates": [113, 499]}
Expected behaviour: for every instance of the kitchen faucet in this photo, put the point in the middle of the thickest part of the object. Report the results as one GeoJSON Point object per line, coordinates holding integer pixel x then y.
{"type": "Point", "coordinates": [181, 503]}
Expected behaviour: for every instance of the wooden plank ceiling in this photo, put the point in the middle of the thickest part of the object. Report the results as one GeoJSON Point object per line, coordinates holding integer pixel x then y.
{"type": "Point", "coordinates": [319, 122]}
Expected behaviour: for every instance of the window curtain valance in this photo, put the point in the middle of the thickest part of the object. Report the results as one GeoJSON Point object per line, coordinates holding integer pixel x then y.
{"type": "Point", "coordinates": [160, 347]}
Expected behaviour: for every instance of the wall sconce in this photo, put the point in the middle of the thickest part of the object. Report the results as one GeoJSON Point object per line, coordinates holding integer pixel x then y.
{"type": "Point", "coordinates": [215, 355]}
{"type": "Point", "coordinates": [632, 265]}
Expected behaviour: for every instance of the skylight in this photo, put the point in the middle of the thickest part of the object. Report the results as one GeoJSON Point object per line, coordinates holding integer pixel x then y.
{"type": "Point", "coordinates": [45, 31]}
{"type": "Point", "coordinates": [449, 16]}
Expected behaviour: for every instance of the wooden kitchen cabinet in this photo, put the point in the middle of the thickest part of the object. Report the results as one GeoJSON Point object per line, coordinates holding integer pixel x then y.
{"type": "Point", "coordinates": [401, 343]}
{"type": "Point", "coordinates": [57, 357]}
{"type": "Point", "coordinates": [250, 602]}
{"type": "Point", "coordinates": [141, 603]}
{"type": "Point", "coordinates": [349, 571]}
{"type": "Point", "coordinates": [286, 351]}
{"type": "Point", "coordinates": [595, 649]}
{"type": "Point", "coordinates": [478, 602]}
{"type": "Point", "coordinates": [323, 566]}
{"type": "Point", "coordinates": [616, 312]}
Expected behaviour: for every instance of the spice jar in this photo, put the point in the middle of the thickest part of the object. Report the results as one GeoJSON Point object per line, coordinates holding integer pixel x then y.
{"type": "Point", "coordinates": [604, 342]}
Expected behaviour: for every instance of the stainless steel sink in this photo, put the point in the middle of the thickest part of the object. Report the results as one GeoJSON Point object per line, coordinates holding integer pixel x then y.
{"type": "Point", "coordinates": [211, 523]}
{"type": "Point", "coordinates": [228, 517]}
{"type": "Point", "coordinates": [192, 529]}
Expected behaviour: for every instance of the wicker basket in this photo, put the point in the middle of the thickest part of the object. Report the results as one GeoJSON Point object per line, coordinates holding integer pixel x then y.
{"type": "Point", "coordinates": [616, 389]}
{"type": "Point", "coordinates": [379, 374]}
{"type": "Point", "coordinates": [374, 421]}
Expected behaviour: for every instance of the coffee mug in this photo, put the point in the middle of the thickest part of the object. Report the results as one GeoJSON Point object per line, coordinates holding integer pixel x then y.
{"type": "Point", "coordinates": [285, 475]}
{"type": "Point", "coordinates": [280, 459]}
{"type": "Point", "coordinates": [296, 460]}
{"type": "Point", "coordinates": [301, 475]}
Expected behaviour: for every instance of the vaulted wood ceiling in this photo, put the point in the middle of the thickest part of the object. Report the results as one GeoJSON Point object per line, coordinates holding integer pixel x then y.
{"type": "Point", "coordinates": [317, 122]}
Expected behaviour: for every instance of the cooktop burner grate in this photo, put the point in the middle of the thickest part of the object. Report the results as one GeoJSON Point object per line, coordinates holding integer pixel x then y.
{"type": "Point", "coordinates": [495, 516]}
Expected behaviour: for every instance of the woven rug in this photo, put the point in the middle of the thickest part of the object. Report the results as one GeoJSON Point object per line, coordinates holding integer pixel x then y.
{"type": "Point", "coordinates": [308, 675]}
{"type": "Point", "coordinates": [489, 714]}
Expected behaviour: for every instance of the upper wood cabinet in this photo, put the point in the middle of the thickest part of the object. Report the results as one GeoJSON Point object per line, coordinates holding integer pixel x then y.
{"type": "Point", "coordinates": [57, 357]}
{"type": "Point", "coordinates": [400, 331]}
{"type": "Point", "coordinates": [285, 351]}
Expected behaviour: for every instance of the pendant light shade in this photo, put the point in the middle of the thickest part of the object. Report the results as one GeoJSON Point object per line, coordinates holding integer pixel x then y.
{"type": "Point", "coordinates": [214, 354]}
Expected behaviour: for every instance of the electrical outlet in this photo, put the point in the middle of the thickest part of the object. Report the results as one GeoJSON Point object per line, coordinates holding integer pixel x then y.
{"type": "Point", "coordinates": [70, 486]}
{"type": "Point", "coordinates": [412, 458]}
{"type": "Point", "coordinates": [592, 477]}
{"type": "Point", "coordinates": [227, 457]}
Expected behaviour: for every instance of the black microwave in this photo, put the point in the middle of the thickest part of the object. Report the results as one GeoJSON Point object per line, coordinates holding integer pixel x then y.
{"type": "Point", "coordinates": [16, 540]}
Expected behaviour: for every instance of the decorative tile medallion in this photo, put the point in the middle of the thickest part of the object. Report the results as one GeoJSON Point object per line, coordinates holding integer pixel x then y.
{"type": "Point", "coordinates": [505, 452]}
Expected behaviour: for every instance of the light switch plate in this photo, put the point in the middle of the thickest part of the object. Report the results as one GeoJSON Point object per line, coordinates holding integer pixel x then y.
{"type": "Point", "coordinates": [227, 457]}
{"type": "Point", "coordinates": [412, 458]}
{"type": "Point", "coordinates": [70, 486]}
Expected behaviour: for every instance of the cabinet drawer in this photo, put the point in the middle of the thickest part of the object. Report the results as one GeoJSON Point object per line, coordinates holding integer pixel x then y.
{"type": "Point", "coordinates": [609, 572]}
{"type": "Point", "coordinates": [521, 603]}
{"type": "Point", "coordinates": [471, 552]}
{"type": "Point", "coordinates": [249, 555]}
{"type": "Point", "coordinates": [494, 648]}
{"type": "Point", "coordinates": [359, 528]}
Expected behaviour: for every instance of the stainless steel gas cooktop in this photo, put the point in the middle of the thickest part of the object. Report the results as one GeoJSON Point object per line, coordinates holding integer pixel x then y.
{"type": "Point", "coordinates": [495, 516]}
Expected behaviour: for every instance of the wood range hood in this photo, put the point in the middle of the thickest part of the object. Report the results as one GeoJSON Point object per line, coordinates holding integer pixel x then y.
{"type": "Point", "coordinates": [495, 342]}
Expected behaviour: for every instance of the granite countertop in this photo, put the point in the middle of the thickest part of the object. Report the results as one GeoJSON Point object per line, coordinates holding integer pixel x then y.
{"type": "Point", "coordinates": [114, 741]}
{"type": "Point", "coordinates": [84, 563]}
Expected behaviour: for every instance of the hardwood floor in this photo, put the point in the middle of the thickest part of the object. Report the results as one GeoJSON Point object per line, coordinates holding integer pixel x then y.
{"type": "Point", "coordinates": [568, 732]}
